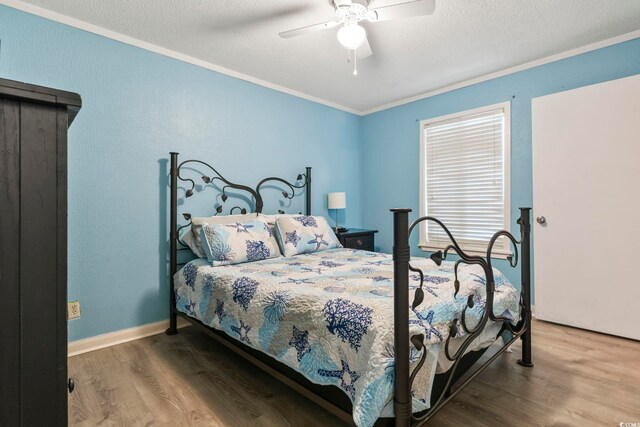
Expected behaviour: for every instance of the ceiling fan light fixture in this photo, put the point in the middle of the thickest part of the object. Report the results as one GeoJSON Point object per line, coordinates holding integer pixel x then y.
{"type": "Point", "coordinates": [351, 36]}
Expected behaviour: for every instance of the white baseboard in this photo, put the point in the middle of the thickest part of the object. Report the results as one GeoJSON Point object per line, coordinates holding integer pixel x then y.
{"type": "Point", "coordinates": [118, 337]}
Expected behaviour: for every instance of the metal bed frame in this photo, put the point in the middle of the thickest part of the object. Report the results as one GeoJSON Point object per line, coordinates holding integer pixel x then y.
{"type": "Point", "coordinates": [449, 383]}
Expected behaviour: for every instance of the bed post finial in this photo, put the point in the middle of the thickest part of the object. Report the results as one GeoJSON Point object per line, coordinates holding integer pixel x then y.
{"type": "Point", "coordinates": [401, 256]}
{"type": "Point", "coordinates": [173, 244]}
{"type": "Point", "coordinates": [525, 230]}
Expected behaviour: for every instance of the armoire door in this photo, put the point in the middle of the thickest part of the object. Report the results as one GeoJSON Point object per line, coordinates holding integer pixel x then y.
{"type": "Point", "coordinates": [586, 200]}
{"type": "Point", "coordinates": [33, 253]}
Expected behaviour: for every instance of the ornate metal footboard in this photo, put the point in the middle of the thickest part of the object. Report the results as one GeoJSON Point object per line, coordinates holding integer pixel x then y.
{"type": "Point", "coordinates": [401, 254]}
{"type": "Point", "coordinates": [328, 396]}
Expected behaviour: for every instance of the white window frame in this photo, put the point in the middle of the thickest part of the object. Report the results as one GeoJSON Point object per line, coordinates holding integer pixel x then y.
{"type": "Point", "coordinates": [502, 248]}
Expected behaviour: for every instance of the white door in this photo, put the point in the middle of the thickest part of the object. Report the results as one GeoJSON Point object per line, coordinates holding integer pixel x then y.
{"type": "Point", "coordinates": [586, 184]}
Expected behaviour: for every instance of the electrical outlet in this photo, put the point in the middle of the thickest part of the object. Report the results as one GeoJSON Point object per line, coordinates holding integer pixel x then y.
{"type": "Point", "coordinates": [73, 310]}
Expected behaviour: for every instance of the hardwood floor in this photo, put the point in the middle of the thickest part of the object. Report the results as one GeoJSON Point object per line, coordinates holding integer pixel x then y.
{"type": "Point", "coordinates": [580, 378]}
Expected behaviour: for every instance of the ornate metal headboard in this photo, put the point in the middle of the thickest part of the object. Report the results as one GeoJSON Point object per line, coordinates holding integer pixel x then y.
{"type": "Point", "coordinates": [289, 190]}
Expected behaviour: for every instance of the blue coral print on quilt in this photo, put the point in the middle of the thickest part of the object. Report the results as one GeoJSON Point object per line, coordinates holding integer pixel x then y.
{"type": "Point", "coordinates": [304, 234]}
{"type": "Point", "coordinates": [306, 221]}
{"type": "Point", "coordinates": [238, 242]}
{"type": "Point", "coordinates": [190, 273]}
{"type": "Point", "coordinates": [244, 290]}
{"type": "Point", "coordinates": [328, 316]}
{"type": "Point", "coordinates": [348, 320]}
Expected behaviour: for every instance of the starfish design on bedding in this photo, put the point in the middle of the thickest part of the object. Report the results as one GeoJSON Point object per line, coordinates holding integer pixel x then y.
{"type": "Point", "coordinates": [479, 279]}
{"type": "Point", "coordinates": [220, 310]}
{"type": "Point", "coordinates": [330, 264]}
{"type": "Point", "coordinates": [297, 281]}
{"type": "Point", "coordinates": [292, 238]}
{"type": "Point", "coordinates": [479, 302]}
{"type": "Point", "coordinates": [436, 280]}
{"type": "Point", "coordinates": [313, 270]}
{"type": "Point", "coordinates": [240, 228]}
{"type": "Point", "coordinates": [243, 332]}
{"type": "Point", "coordinates": [318, 241]}
{"type": "Point", "coordinates": [506, 313]}
{"type": "Point", "coordinates": [429, 289]}
{"type": "Point", "coordinates": [425, 322]}
{"type": "Point", "coordinates": [190, 308]}
{"type": "Point", "coordinates": [346, 376]}
{"type": "Point", "coordinates": [300, 341]}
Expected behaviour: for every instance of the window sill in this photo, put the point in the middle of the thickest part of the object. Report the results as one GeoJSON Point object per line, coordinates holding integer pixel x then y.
{"type": "Point", "coordinates": [497, 253]}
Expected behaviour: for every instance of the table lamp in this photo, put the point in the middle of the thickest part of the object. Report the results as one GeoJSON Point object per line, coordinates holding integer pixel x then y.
{"type": "Point", "coordinates": [337, 201]}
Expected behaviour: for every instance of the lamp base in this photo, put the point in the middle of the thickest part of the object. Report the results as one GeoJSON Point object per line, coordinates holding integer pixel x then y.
{"type": "Point", "coordinates": [338, 229]}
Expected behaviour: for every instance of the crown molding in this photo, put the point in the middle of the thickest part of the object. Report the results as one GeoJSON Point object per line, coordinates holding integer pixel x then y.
{"type": "Point", "coordinates": [490, 76]}
{"type": "Point", "coordinates": [95, 29]}
{"type": "Point", "coordinates": [82, 25]}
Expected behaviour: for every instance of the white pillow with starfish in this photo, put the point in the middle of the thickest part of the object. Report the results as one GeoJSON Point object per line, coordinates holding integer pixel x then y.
{"type": "Point", "coordinates": [300, 234]}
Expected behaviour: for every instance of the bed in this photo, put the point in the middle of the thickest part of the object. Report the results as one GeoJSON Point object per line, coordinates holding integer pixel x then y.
{"type": "Point", "coordinates": [328, 323]}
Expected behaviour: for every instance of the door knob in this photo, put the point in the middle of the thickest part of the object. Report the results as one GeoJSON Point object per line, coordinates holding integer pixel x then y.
{"type": "Point", "coordinates": [71, 385]}
{"type": "Point", "coordinates": [541, 220]}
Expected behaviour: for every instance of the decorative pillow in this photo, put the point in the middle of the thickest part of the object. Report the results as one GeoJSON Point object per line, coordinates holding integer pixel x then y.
{"type": "Point", "coordinates": [238, 242]}
{"type": "Point", "coordinates": [192, 237]}
{"type": "Point", "coordinates": [299, 234]}
{"type": "Point", "coordinates": [272, 218]}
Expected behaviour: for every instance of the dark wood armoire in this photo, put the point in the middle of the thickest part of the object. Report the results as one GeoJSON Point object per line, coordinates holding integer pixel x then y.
{"type": "Point", "coordinates": [33, 253]}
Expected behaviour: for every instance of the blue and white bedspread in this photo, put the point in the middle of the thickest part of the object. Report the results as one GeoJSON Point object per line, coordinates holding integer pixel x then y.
{"type": "Point", "coordinates": [329, 316]}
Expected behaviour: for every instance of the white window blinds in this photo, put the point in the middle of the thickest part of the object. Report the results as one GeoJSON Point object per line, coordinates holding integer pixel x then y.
{"type": "Point", "coordinates": [464, 168]}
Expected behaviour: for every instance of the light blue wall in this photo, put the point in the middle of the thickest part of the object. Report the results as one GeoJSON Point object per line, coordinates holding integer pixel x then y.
{"type": "Point", "coordinates": [390, 139]}
{"type": "Point", "coordinates": [138, 106]}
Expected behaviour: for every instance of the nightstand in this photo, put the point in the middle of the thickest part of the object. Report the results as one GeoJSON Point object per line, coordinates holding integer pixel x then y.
{"type": "Point", "coordinates": [357, 238]}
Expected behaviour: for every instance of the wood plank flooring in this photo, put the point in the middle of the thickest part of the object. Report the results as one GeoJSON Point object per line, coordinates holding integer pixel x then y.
{"type": "Point", "coordinates": [580, 378]}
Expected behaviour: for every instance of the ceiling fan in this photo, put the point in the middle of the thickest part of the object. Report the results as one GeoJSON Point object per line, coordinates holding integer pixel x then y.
{"type": "Point", "coordinates": [350, 13]}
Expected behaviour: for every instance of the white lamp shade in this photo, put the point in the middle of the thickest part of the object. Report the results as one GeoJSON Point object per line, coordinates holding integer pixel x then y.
{"type": "Point", "coordinates": [337, 200]}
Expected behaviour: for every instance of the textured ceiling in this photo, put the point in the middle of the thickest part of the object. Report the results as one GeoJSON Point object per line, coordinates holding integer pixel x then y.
{"type": "Point", "coordinates": [463, 39]}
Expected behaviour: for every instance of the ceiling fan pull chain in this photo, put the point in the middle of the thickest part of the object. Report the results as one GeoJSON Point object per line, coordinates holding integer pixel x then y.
{"type": "Point", "coordinates": [355, 63]}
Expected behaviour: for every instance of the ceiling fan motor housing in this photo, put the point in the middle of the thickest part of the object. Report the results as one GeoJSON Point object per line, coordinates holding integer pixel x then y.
{"type": "Point", "coordinates": [351, 11]}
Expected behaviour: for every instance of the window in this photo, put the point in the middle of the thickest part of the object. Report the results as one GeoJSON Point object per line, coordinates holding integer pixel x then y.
{"type": "Point", "coordinates": [464, 179]}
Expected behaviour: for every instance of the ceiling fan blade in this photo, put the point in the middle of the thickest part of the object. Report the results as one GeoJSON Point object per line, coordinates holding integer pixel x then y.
{"type": "Point", "coordinates": [403, 10]}
{"type": "Point", "coordinates": [364, 51]}
{"type": "Point", "coordinates": [234, 19]}
{"type": "Point", "coordinates": [309, 29]}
